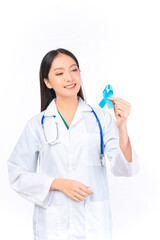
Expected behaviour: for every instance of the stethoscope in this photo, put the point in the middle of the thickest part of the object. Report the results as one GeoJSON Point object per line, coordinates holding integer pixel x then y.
{"type": "Point", "coordinates": [55, 141]}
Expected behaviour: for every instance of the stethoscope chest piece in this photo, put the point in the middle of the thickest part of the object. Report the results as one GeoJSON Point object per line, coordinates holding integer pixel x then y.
{"type": "Point", "coordinates": [103, 160]}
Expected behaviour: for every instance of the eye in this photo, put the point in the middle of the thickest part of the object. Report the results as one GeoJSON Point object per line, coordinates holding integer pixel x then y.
{"type": "Point", "coordinates": [58, 74]}
{"type": "Point", "coordinates": [74, 70]}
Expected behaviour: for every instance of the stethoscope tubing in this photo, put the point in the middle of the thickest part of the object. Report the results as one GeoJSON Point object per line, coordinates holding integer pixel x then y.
{"type": "Point", "coordinates": [101, 133]}
{"type": "Point", "coordinates": [100, 128]}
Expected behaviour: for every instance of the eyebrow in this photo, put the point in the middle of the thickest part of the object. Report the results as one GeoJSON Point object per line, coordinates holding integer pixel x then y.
{"type": "Point", "coordinates": [69, 67]}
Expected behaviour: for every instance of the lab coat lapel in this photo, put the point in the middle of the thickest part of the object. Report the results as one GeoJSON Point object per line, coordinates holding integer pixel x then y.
{"type": "Point", "coordinates": [52, 110]}
{"type": "Point", "coordinates": [82, 106]}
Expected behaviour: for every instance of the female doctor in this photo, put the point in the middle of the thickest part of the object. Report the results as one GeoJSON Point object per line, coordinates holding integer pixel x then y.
{"type": "Point", "coordinates": [56, 162]}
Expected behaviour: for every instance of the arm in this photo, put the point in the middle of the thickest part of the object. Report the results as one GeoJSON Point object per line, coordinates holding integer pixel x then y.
{"type": "Point", "coordinates": [119, 149]}
{"type": "Point", "coordinates": [122, 110]}
{"type": "Point", "coordinates": [124, 143]}
{"type": "Point", "coordinates": [22, 170]}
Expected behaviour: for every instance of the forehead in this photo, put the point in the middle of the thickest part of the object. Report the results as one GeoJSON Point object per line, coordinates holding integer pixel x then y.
{"type": "Point", "coordinates": [62, 60]}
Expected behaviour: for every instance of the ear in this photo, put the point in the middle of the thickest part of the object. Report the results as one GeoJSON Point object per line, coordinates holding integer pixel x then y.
{"type": "Point", "coordinates": [47, 82]}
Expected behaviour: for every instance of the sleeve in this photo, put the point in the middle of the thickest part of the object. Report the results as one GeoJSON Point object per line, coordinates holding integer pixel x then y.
{"type": "Point", "coordinates": [22, 170]}
{"type": "Point", "coordinates": [119, 165]}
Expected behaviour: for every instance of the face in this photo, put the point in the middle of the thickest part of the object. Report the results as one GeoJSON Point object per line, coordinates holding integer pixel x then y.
{"type": "Point", "coordinates": [64, 76]}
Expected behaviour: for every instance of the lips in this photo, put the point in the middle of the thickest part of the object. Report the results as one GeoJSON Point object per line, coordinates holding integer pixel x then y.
{"type": "Point", "coordinates": [70, 86]}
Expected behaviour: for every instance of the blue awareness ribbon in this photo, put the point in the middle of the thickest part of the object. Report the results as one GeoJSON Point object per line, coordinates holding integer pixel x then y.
{"type": "Point", "coordinates": [107, 92]}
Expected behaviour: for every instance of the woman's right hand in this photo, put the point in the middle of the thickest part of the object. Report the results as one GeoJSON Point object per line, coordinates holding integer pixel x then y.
{"type": "Point", "coordinates": [72, 188]}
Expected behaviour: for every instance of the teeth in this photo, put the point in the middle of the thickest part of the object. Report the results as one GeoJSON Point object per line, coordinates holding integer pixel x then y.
{"type": "Point", "coordinates": [71, 86]}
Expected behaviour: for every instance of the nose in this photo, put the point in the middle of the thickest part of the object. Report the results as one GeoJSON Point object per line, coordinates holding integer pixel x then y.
{"type": "Point", "coordinates": [68, 77]}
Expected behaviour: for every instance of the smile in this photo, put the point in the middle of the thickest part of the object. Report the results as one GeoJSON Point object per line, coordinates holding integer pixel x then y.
{"type": "Point", "coordinates": [71, 86]}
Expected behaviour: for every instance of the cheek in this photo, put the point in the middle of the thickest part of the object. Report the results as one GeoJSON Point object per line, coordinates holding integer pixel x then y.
{"type": "Point", "coordinates": [78, 77]}
{"type": "Point", "coordinates": [55, 85]}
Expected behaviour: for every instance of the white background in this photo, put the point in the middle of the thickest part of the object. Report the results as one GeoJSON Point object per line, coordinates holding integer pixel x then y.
{"type": "Point", "coordinates": [117, 43]}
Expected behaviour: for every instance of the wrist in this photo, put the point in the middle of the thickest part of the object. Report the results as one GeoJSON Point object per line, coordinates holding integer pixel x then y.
{"type": "Point", "coordinates": [122, 127]}
{"type": "Point", "coordinates": [123, 136]}
{"type": "Point", "coordinates": [56, 184]}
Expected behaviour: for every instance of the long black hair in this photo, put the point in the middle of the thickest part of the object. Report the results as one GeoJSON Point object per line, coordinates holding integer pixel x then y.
{"type": "Point", "coordinates": [48, 94]}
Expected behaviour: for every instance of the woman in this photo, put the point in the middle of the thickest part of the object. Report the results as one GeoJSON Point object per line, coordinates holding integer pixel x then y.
{"type": "Point", "coordinates": [56, 162]}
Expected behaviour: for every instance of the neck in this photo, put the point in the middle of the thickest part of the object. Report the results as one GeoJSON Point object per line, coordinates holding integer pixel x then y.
{"type": "Point", "coordinates": [67, 104]}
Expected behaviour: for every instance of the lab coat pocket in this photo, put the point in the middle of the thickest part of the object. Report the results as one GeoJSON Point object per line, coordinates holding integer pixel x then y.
{"type": "Point", "coordinates": [98, 220]}
{"type": "Point", "coordinates": [55, 221]}
{"type": "Point", "coordinates": [93, 149]}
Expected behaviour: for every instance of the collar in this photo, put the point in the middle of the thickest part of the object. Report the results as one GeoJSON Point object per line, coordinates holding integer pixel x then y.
{"type": "Point", "coordinates": [52, 110]}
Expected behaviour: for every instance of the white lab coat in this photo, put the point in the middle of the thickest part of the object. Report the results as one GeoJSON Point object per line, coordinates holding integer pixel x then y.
{"type": "Point", "coordinates": [34, 164]}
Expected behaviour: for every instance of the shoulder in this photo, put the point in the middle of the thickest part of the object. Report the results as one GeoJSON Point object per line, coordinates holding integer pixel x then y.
{"type": "Point", "coordinates": [33, 125]}
{"type": "Point", "coordinates": [33, 128]}
{"type": "Point", "coordinates": [35, 121]}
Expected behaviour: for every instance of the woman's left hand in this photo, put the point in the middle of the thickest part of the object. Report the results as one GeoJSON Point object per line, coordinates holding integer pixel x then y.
{"type": "Point", "coordinates": [122, 110]}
